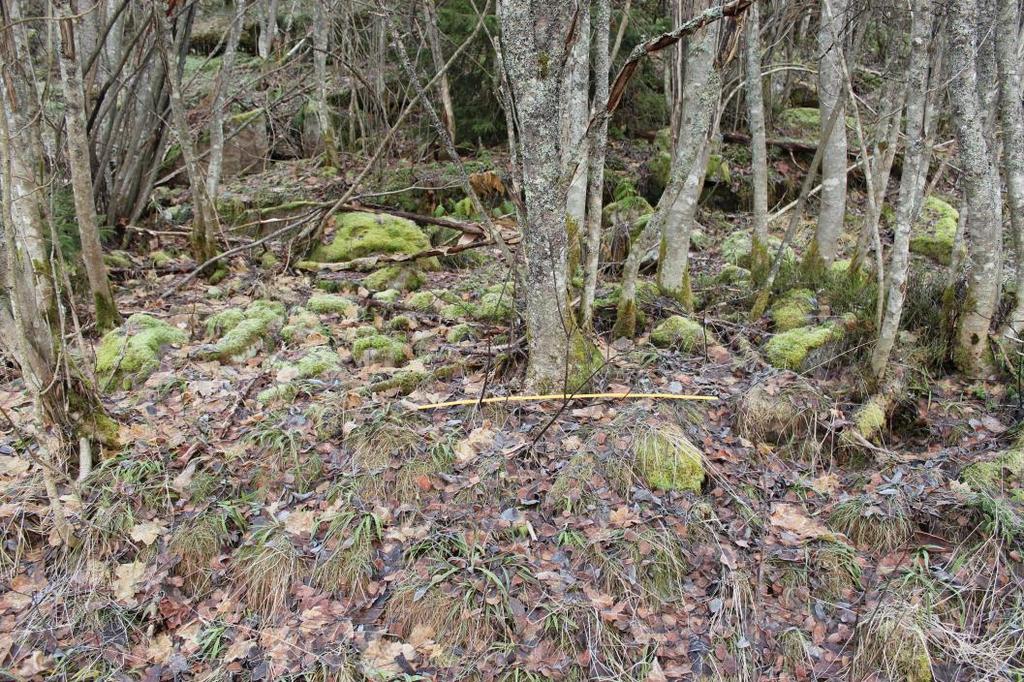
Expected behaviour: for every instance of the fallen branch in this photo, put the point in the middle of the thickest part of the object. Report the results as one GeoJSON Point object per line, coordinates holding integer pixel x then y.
{"type": "Point", "coordinates": [565, 396]}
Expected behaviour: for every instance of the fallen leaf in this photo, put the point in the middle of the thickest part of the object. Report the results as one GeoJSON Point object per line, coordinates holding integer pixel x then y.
{"type": "Point", "coordinates": [147, 532]}
{"type": "Point", "coordinates": [129, 579]}
{"type": "Point", "coordinates": [793, 519]}
{"type": "Point", "coordinates": [477, 440]}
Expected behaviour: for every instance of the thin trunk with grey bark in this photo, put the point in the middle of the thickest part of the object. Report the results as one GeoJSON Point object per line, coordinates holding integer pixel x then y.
{"type": "Point", "coordinates": [573, 125]}
{"type": "Point", "coordinates": [758, 146]}
{"type": "Point", "coordinates": [105, 309]}
{"type": "Point", "coordinates": [268, 28]}
{"type": "Point", "coordinates": [984, 219]}
{"type": "Point", "coordinates": [433, 34]}
{"type": "Point", "coordinates": [220, 102]}
{"type": "Point", "coordinates": [913, 168]}
{"type": "Point", "coordinates": [1011, 118]}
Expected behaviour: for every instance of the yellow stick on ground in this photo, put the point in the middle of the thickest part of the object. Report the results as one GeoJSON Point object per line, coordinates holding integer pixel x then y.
{"type": "Point", "coordinates": [565, 396]}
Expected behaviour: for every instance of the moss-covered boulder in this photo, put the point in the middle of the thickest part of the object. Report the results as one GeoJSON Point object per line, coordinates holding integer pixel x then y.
{"type": "Point", "coordinates": [667, 460]}
{"type": "Point", "coordinates": [793, 309]}
{"type": "Point", "coordinates": [379, 349]}
{"type": "Point", "coordinates": [935, 230]}
{"type": "Point", "coordinates": [424, 302]}
{"type": "Point", "coordinates": [313, 364]}
{"type": "Point", "coordinates": [302, 324]}
{"type": "Point", "coordinates": [398, 277]}
{"type": "Point", "coordinates": [679, 332]}
{"type": "Point", "coordinates": [733, 275]}
{"type": "Point", "coordinates": [358, 235]}
{"type": "Point", "coordinates": [737, 247]}
{"type": "Point", "coordinates": [804, 123]}
{"type": "Point", "coordinates": [334, 304]}
{"type": "Point", "coordinates": [117, 259]}
{"type": "Point", "coordinates": [1004, 472]}
{"type": "Point", "coordinates": [130, 353]}
{"type": "Point", "coordinates": [789, 349]}
{"type": "Point", "coordinates": [459, 333]}
{"type": "Point", "coordinates": [243, 333]}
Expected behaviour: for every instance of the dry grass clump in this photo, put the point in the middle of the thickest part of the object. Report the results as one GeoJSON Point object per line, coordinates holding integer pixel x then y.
{"type": "Point", "coordinates": [783, 411]}
{"type": "Point", "coordinates": [349, 565]}
{"type": "Point", "coordinates": [882, 524]}
{"type": "Point", "coordinates": [894, 640]}
{"type": "Point", "coordinates": [733, 626]}
{"type": "Point", "coordinates": [572, 490]}
{"type": "Point", "coordinates": [648, 564]}
{"type": "Point", "coordinates": [835, 569]}
{"type": "Point", "coordinates": [796, 657]}
{"type": "Point", "coordinates": [196, 543]}
{"type": "Point", "coordinates": [374, 443]}
{"type": "Point", "coordinates": [265, 568]}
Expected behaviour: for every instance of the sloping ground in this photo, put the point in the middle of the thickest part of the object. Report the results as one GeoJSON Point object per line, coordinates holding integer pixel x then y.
{"type": "Point", "coordinates": [278, 510]}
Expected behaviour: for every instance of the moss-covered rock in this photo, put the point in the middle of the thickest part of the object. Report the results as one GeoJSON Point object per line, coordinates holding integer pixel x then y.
{"type": "Point", "coordinates": [423, 301]}
{"type": "Point", "coordinates": [935, 230]}
{"type": "Point", "coordinates": [244, 333]}
{"type": "Point", "coordinates": [130, 353]}
{"type": "Point", "coordinates": [388, 296]}
{"type": "Point", "coordinates": [459, 333]}
{"type": "Point", "coordinates": [313, 364]}
{"type": "Point", "coordinates": [301, 325]}
{"type": "Point", "coordinates": [160, 258]}
{"type": "Point", "coordinates": [789, 349]}
{"type": "Point", "coordinates": [117, 259]}
{"type": "Point", "coordinates": [667, 460]}
{"type": "Point", "coordinates": [401, 323]}
{"type": "Point", "coordinates": [737, 247]}
{"type": "Point", "coordinates": [334, 304]}
{"type": "Point", "coordinates": [1004, 472]}
{"type": "Point", "coordinates": [733, 274]}
{"type": "Point", "coordinates": [678, 332]}
{"type": "Point", "coordinates": [398, 277]}
{"type": "Point", "coordinates": [804, 123]}
{"type": "Point", "coordinates": [793, 310]}
{"type": "Point", "coordinates": [365, 234]}
{"type": "Point", "coordinates": [379, 349]}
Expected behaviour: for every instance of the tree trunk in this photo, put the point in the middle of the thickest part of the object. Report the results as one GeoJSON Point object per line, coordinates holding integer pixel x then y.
{"type": "Point", "coordinates": [1011, 118]}
{"type": "Point", "coordinates": [219, 108]}
{"type": "Point", "coordinates": [758, 145]}
{"type": "Point", "coordinates": [595, 188]}
{"type": "Point", "coordinates": [825, 245]}
{"type": "Point", "coordinates": [105, 309]}
{"type": "Point", "coordinates": [677, 206]}
{"type": "Point", "coordinates": [534, 34]}
{"type": "Point", "coordinates": [268, 28]}
{"type": "Point", "coordinates": [444, 94]}
{"type": "Point", "coordinates": [573, 127]}
{"type": "Point", "coordinates": [984, 220]}
{"type": "Point", "coordinates": [913, 168]}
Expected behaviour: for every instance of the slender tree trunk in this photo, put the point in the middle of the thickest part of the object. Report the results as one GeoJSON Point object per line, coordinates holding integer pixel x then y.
{"type": "Point", "coordinates": [595, 188]}
{"type": "Point", "coordinates": [758, 147]}
{"type": "Point", "coordinates": [444, 94]}
{"type": "Point", "coordinates": [984, 220]}
{"type": "Point", "coordinates": [220, 102]}
{"type": "Point", "coordinates": [621, 32]}
{"type": "Point", "coordinates": [533, 40]}
{"type": "Point", "coordinates": [677, 206]}
{"type": "Point", "coordinates": [573, 125]}
{"type": "Point", "coordinates": [268, 28]}
{"type": "Point", "coordinates": [105, 309]}
{"type": "Point", "coordinates": [1011, 117]}
{"type": "Point", "coordinates": [825, 245]}
{"type": "Point", "coordinates": [913, 168]}
{"type": "Point", "coordinates": [204, 219]}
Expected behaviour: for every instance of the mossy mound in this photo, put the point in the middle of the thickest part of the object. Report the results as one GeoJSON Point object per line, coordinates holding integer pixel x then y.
{"type": "Point", "coordinates": [667, 460]}
{"type": "Point", "coordinates": [495, 305]}
{"type": "Point", "coordinates": [870, 419]}
{"type": "Point", "coordinates": [679, 332]}
{"type": "Point", "coordinates": [1004, 472]}
{"type": "Point", "coordinates": [734, 275]}
{"type": "Point", "coordinates": [160, 258]}
{"type": "Point", "coordinates": [388, 296]}
{"type": "Point", "coordinates": [626, 211]}
{"type": "Point", "coordinates": [302, 324]}
{"type": "Point", "coordinates": [315, 363]}
{"type": "Point", "coordinates": [402, 382]}
{"type": "Point", "coordinates": [423, 301]}
{"type": "Point", "coordinates": [244, 333]}
{"type": "Point", "coordinates": [379, 349]}
{"type": "Point", "coordinates": [334, 304]}
{"type": "Point", "coordinates": [780, 410]}
{"type": "Point", "coordinates": [130, 353]}
{"type": "Point", "coordinates": [737, 247]}
{"type": "Point", "coordinates": [793, 309]}
{"type": "Point", "coordinates": [402, 323]}
{"type": "Point", "coordinates": [803, 123]}
{"type": "Point", "coordinates": [935, 230]}
{"type": "Point", "coordinates": [117, 259]}
{"type": "Point", "coordinates": [789, 349]}
{"type": "Point", "coordinates": [366, 234]}
{"type": "Point", "coordinates": [398, 277]}
{"type": "Point", "coordinates": [459, 333]}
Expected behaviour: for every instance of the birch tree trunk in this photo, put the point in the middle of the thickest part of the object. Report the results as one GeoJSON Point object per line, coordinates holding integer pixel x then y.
{"type": "Point", "coordinates": [758, 145]}
{"type": "Point", "coordinates": [204, 219]}
{"type": "Point", "coordinates": [595, 187]}
{"type": "Point", "coordinates": [268, 28]}
{"type": "Point", "coordinates": [105, 309]}
{"type": "Point", "coordinates": [219, 108]}
{"type": "Point", "coordinates": [984, 220]}
{"type": "Point", "coordinates": [825, 245]}
{"type": "Point", "coordinates": [677, 206]}
{"type": "Point", "coordinates": [1011, 117]}
{"type": "Point", "coordinates": [573, 126]}
{"type": "Point", "coordinates": [433, 34]}
{"type": "Point", "coordinates": [533, 42]}
{"type": "Point", "coordinates": [913, 168]}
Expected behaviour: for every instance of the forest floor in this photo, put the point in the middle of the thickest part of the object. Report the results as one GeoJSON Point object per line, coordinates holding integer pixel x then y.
{"type": "Point", "coordinates": [277, 507]}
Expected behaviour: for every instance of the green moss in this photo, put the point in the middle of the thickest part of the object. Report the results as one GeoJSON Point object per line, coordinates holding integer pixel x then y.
{"type": "Point", "coordinates": [625, 210]}
{"type": "Point", "coordinates": [117, 259]}
{"type": "Point", "coordinates": [804, 122]}
{"type": "Point", "coordinates": [365, 234]}
{"type": "Point", "coordinates": [401, 323]}
{"type": "Point", "coordinates": [935, 231]}
{"type": "Point", "coordinates": [870, 418]}
{"type": "Point", "coordinates": [422, 301]}
{"type": "Point", "coordinates": [403, 382]}
{"type": "Point", "coordinates": [736, 250]}
{"type": "Point", "coordinates": [333, 304]}
{"type": "Point", "coordinates": [789, 349]}
{"type": "Point", "coordinates": [269, 260]}
{"type": "Point", "coordinates": [626, 320]}
{"type": "Point", "coordinates": [379, 349]}
{"type": "Point", "coordinates": [678, 332]}
{"type": "Point", "coordinates": [388, 296]}
{"type": "Point", "coordinates": [459, 333]}
{"type": "Point", "coordinates": [793, 309]}
{"type": "Point", "coordinates": [301, 324]}
{"type": "Point", "coordinates": [400, 277]}
{"type": "Point", "coordinates": [733, 274]}
{"type": "Point", "coordinates": [494, 306]}
{"type": "Point", "coordinates": [718, 169]}
{"type": "Point", "coordinates": [585, 360]}
{"type": "Point", "coordinates": [160, 258]}
{"type": "Point", "coordinates": [667, 460]}
{"type": "Point", "coordinates": [218, 275]}
{"type": "Point", "coordinates": [1005, 471]}
{"type": "Point", "coordinates": [313, 364]}
{"type": "Point", "coordinates": [244, 333]}
{"type": "Point", "coordinates": [129, 354]}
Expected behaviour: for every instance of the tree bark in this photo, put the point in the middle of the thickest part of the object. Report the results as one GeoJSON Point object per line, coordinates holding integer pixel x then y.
{"type": "Point", "coordinates": [268, 28]}
{"type": "Point", "coordinates": [104, 306]}
{"type": "Point", "coordinates": [219, 108]}
{"type": "Point", "coordinates": [573, 127]}
{"type": "Point", "coordinates": [984, 219]}
{"type": "Point", "coordinates": [758, 145]}
{"type": "Point", "coordinates": [433, 34]}
{"type": "Point", "coordinates": [1011, 117]}
{"type": "Point", "coordinates": [913, 168]}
